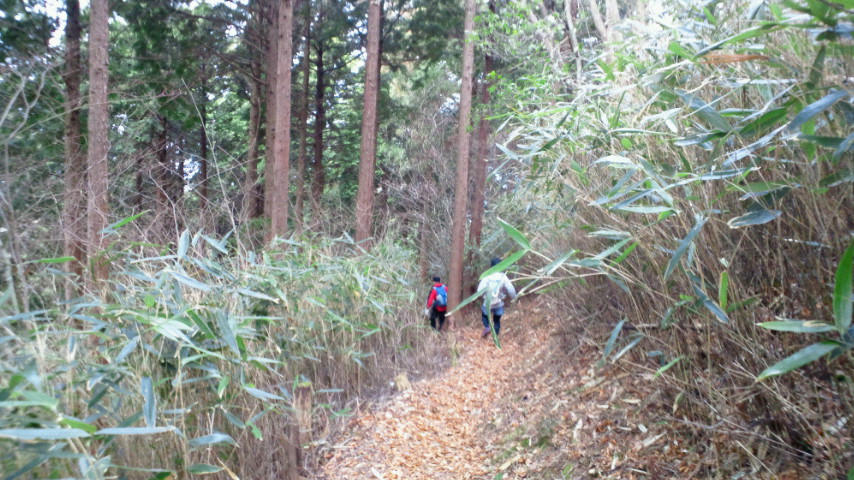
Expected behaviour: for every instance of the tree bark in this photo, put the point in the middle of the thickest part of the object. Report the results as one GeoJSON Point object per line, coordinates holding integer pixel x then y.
{"type": "Point", "coordinates": [570, 11]}
{"type": "Point", "coordinates": [74, 208]}
{"type": "Point", "coordinates": [597, 20]}
{"type": "Point", "coordinates": [368, 149]}
{"type": "Point", "coordinates": [461, 187]}
{"type": "Point", "coordinates": [480, 161]}
{"type": "Point", "coordinates": [139, 190]}
{"type": "Point", "coordinates": [99, 146]}
{"type": "Point", "coordinates": [250, 197]}
{"type": "Point", "coordinates": [319, 125]}
{"type": "Point", "coordinates": [612, 16]}
{"type": "Point", "coordinates": [203, 145]}
{"type": "Point", "coordinates": [272, 58]}
{"type": "Point", "coordinates": [282, 101]}
{"type": "Point", "coordinates": [169, 180]}
{"type": "Point", "coordinates": [303, 119]}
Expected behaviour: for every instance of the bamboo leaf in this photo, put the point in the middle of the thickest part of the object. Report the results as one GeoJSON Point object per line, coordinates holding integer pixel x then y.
{"type": "Point", "coordinates": [127, 349]}
{"type": "Point", "coordinates": [203, 469]}
{"type": "Point", "coordinates": [149, 408]}
{"type": "Point", "coordinates": [799, 326]}
{"type": "Point", "coordinates": [609, 346]}
{"type": "Point", "coordinates": [201, 323]}
{"type": "Point", "coordinates": [515, 234]}
{"type": "Point", "coordinates": [468, 300]}
{"type": "Point", "coordinates": [611, 250]}
{"type": "Point", "coordinates": [504, 264]}
{"type": "Point", "coordinates": [556, 263]}
{"type": "Point", "coordinates": [75, 423]}
{"type": "Point", "coordinates": [705, 111]}
{"type": "Point", "coordinates": [31, 434]}
{"type": "Point", "coordinates": [121, 223]}
{"type": "Point", "coordinates": [55, 260]}
{"type": "Point", "coordinates": [757, 217]}
{"type": "Point", "coordinates": [134, 430]}
{"type": "Point", "coordinates": [183, 244]}
{"type": "Point", "coordinates": [666, 367]}
{"type": "Point", "coordinates": [710, 305]}
{"type": "Point", "coordinates": [223, 321]}
{"type": "Point", "coordinates": [798, 359]}
{"type": "Point", "coordinates": [261, 394]}
{"type": "Point", "coordinates": [723, 287]}
{"type": "Point", "coordinates": [625, 253]}
{"type": "Point", "coordinates": [814, 109]}
{"type": "Point", "coordinates": [842, 290]}
{"type": "Point", "coordinates": [628, 347]}
{"type": "Point", "coordinates": [745, 35]}
{"type": "Point", "coordinates": [190, 282]}
{"type": "Point", "coordinates": [645, 209]}
{"type": "Point", "coordinates": [211, 439]}
{"type": "Point", "coordinates": [616, 161]}
{"type": "Point", "coordinates": [683, 246]}
{"type": "Point", "coordinates": [254, 294]}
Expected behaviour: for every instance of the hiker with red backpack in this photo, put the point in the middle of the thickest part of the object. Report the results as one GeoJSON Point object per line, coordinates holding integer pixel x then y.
{"type": "Point", "coordinates": [437, 303]}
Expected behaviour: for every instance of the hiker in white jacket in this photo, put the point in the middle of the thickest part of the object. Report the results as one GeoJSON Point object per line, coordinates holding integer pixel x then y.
{"type": "Point", "coordinates": [496, 286]}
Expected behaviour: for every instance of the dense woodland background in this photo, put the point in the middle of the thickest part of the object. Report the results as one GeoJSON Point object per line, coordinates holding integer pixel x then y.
{"type": "Point", "coordinates": [220, 218]}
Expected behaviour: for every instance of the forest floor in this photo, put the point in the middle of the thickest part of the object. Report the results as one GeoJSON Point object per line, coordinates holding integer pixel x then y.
{"type": "Point", "coordinates": [537, 408]}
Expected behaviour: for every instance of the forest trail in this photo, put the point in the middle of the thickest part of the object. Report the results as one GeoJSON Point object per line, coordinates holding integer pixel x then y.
{"type": "Point", "coordinates": [431, 430]}
{"type": "Point", "coordinates": [526, 410]}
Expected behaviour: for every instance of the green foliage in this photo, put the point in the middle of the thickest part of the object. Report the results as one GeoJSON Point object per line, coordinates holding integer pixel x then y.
{"type": "Point", "coordinates": [695, 190]}
{"type": "Point", "coordinates": [194, 338]}
{"type": "Point", "coordinates": [842, 301]}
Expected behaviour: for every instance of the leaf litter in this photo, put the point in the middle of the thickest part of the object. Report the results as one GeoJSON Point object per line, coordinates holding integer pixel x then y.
{"type": "Point", "coordinates": [533, 409]}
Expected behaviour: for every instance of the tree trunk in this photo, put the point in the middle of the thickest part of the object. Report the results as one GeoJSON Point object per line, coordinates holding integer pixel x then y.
{"type": "Point", "coordinates": [612, 16]}
{"type": "Point", "coordinates": [99, 146]}
{"type": "Point", "coordinates": [74, 208]}
{"type": "Point", "coordinates": [164, 169]}
{"type": "Point", "coordinates": [461, 187]}
{"type": "Point", "coordinates": [368, 149]}
{"type": "Point", "coordinates": [303, 119]}
{"type": "Point", "coordinates": [479, 171]}
{"type": "Point", "coordinates": [203, 146]}
{"type": "Point", "coordinates": [597, 20]}
{"type": "Point", "coordinates": [272, 57]}
{"type": "Point", "coordinates": [570, 9]}
{"type": "Point", "coordinates": [282, 101]}
{"type": "Point", "coordinates": [139, 190]}
{"type": "Point", "coordinates": [250, 197]}
{"type": "Point", "coordinates": [319, 124]}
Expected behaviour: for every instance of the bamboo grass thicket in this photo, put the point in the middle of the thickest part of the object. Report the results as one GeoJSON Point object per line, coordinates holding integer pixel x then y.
{"type": "Point", "coordinates": [689, 197]}
{"type": "Point", "coordinates": [197, 352]}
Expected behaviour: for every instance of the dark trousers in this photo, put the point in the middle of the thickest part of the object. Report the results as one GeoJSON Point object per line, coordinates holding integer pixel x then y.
{"type": "Point", "coordinates": [434, 315]}
{"type": "Point", "coordinates": [496, 318]}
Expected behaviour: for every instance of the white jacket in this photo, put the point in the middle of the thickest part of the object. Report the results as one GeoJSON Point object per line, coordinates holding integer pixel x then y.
{"type": "Point", "coordinates": [497, 287]}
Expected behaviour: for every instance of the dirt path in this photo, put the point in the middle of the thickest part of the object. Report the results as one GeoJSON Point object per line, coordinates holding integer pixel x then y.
{"type": "Point", "coordinates": [434, 430]}
{"type": "Point", "coordinates": [536, 409]}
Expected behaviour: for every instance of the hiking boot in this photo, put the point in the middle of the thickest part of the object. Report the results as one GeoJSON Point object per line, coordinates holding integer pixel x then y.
{"type": "Point", "coordinates": [485, 333]}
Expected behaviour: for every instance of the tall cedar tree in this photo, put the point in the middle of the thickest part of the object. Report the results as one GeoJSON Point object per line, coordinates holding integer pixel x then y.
{"type": "Point", "coordinates": [282, 101]}
{"type": "Point", "coordinates": [368, 150]}
{"type": "Point", "coordinates": [98, 127]}
{"type": "Point", "coordinates": [272, 15]}
{"type": "Point", "coordinates": [319, 180]}
{"type": "Point", "coordinates": [480, 160]}
{"type": "Point", "coordinates": [74, 209]}
{"type": "Point", "coordinates": [203, 142]}
{"type": "Point", "coordinates": [256, 87]}
{"type": "Point", "coordinates": [461, 189]}
{"type": "Point", "coordinates": [302, 127]}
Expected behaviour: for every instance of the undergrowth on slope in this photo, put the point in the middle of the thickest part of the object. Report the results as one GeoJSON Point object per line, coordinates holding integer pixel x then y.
{"type": "Point", "coordinates": [696, 189]}
{"type": "Point", "coordinates": [195, 359]}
